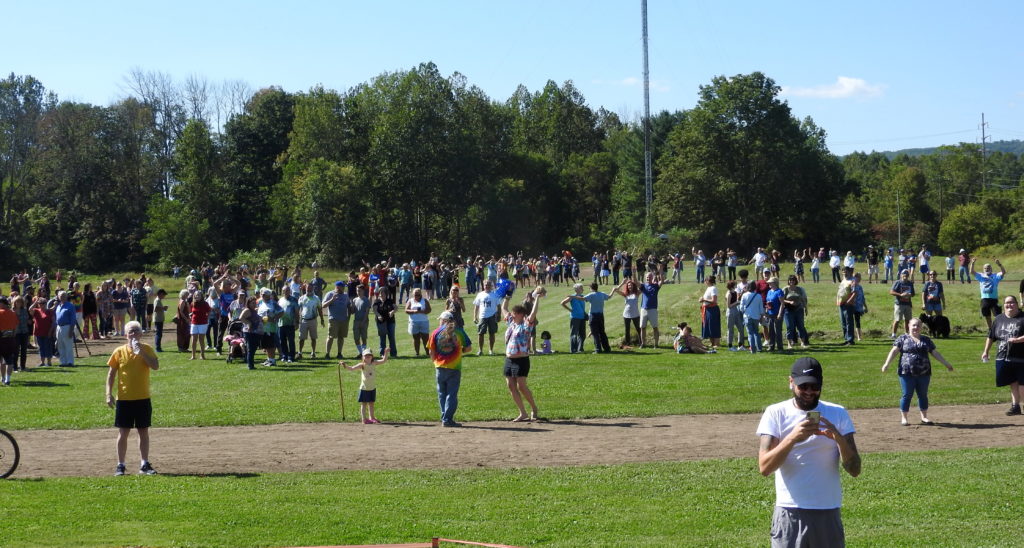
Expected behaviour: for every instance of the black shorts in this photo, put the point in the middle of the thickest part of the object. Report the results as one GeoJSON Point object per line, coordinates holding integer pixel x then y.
{"type": "Point", "coordinates": [488, 325]}
{"type": "Point", "coordinates": [517, 367]}
{"type": "Point", "coordinates": [368, 396]}
{"type": "Point", "coordinates": [990, 308]}
{"type": "Point", "coordinates": [268, 341]}
{"type": "Point", "coordinates": [1008, 373]}
{"type": "Point", "coordinates": [133, 413]}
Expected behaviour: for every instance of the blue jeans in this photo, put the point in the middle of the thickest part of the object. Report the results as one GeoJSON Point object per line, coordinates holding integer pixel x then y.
{"type": "Point", "coordinates": [597, 330]}
{"type": "Point", "coordinates": [914, 384]}
{"type": "Point", "coordinates": [847, 322]}
{"type": "Point", "coordinates": [700, 274]}
{"type": "Point", "coordinates": [577, 332]}
{"type": "Point", "coordinates": [159, 335]}
{"type": "Point", "coordinates": [386, 333]}
{"type": "Point", "coordinates": [964, 275]}
{"type": "Point", "coordinates": [448, 381]}
{"type": "Point", "coordinates": [753, 334]}
{"type": "Point", "coordinates": [252, 343]}
{"type": "Point", "coordinates": [795, 324]}
{"type": "Point", "coordinates": [816, 275]}
{"type": "Point", "coordinates": [774, 330]}
{"type": "Point", "coordinates": [734, 321]}
{"type": "Point", "coordinates": [287, 336]}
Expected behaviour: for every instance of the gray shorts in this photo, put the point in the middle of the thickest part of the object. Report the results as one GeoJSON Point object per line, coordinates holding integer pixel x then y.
{"type": "Point", "coordinates": [796, 527]}
{"type": "Point", "coordinates": [307, 329]}
{"type": "Point", "coordinates": [488, 325]}
{"type": "Point", "coordinates": [902, 313]}
{"type": "Point", "coordinates": [359, 328]}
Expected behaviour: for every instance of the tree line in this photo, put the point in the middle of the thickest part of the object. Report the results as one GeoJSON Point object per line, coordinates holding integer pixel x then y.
{"type": "Point", "coordinates": [414, 162]}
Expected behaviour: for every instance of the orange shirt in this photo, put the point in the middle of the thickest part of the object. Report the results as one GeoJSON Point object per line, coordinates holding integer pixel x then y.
{"type": "Point", "coordinates": [8, 320]}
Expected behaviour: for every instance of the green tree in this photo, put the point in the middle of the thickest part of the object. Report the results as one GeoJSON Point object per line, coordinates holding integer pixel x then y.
{"type": "Point", "coordinates": [23, 101]}
{"type": "Point", "coordinates": [254, 141]}
{"type": "Point", "coordinates": [740, 169]}
{"type": "Point", "coordinates": [970, 226]}
{"type": "Point", "coordinates": [174, 234]}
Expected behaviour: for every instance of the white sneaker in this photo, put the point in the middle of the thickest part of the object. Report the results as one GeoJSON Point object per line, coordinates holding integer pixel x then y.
{"type": "Point", "coordinates": [479, 352]}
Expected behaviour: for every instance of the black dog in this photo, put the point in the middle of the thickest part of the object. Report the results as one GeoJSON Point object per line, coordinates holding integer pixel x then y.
{"type": "Point", "coordinates": [938, 326]}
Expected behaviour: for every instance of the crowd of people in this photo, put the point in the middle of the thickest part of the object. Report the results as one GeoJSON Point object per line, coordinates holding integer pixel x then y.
{"type": "Point", "coordinates": [242, 310]}
{"type": "Point", "coordinates": [805, 442]}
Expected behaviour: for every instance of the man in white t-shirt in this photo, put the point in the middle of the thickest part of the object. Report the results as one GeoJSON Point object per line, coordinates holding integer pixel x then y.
{"type": "Point", "coordinates": [803, 451]}
{"type": "Point", "coordinates": [485, 314]}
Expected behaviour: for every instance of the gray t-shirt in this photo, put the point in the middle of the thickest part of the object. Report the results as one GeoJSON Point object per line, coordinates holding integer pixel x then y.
{"type": "Point", "coordinates": [338, 309]}
{"type": "Point", "coordinates": [361, 308]}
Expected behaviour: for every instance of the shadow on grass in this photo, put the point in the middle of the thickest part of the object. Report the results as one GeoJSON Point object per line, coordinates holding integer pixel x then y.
{"type": "Point", "coordinates": [236, 475]}
{"type": "Point", "coordinates": [40, 384]}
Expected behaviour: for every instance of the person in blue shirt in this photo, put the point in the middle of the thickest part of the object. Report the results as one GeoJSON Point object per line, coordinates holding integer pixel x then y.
{"type": "Point", "coordinates": [66, 322]}
{"type": "Point", "coordinates": [576, 305]}
{"type": "Point", "coordinates": [775, 310]}
{"type": "Point", "coordinates": [597, 299]}
{"type": "Point", "coordinates": [902, 291]}
{"type": "Point", "coordinates": [649, 308]}
{"type": "Point", "coordinates": [338, 307]}
{"type": "Point", "coordinates": [988, 282]}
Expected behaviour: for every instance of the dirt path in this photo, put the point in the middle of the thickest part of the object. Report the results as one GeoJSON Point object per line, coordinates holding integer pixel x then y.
{"type": "Point", "coordinates": [336, 446]}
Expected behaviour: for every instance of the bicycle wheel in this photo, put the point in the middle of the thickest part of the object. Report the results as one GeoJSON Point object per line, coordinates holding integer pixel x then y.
{"type": "Point", "coordinates": [9, 454]}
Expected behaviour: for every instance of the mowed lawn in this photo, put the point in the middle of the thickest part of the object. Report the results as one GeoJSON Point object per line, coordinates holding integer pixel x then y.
{"type": "Point", "coordinates": [645, 382]}
{"type": "Point", "coordinates": [939, 498]}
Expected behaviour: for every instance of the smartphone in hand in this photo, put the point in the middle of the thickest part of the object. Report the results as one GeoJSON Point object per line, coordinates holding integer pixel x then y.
{"type": "Point", "coordinates": [814, 416]}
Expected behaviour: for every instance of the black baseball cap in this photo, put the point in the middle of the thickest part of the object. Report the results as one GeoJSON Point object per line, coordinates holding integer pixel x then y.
{"type": "Point", "coordinates": [806, 370]}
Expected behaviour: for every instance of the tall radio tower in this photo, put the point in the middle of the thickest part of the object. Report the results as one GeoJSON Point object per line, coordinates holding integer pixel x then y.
{"type": "Point", "coordinates": [648, 185]}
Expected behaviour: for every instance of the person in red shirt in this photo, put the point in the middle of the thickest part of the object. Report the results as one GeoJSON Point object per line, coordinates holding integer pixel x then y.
{"type": "Point", "coordinates": [43, 330]}
{"type": "Point", "coordinates": [199, 318]}
{"type": "Point", "coordinates": [8, 341]}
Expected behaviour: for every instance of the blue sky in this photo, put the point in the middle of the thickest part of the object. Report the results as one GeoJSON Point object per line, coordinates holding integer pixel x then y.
{"type": "Point", "coordinates": [875, 75]}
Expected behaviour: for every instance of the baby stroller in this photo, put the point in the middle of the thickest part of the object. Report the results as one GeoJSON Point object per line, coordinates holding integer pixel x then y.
{"type": "Point", "coordinates": [236, 341]}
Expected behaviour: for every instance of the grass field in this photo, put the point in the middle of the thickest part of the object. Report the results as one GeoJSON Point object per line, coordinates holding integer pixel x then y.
{"type": "Point", "coordinates": [942, 498]}
{"type": "Point", "coordinates": [643, 383]}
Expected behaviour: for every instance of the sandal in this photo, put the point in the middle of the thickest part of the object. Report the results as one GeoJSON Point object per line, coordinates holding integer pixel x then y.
{"type": "Point", "coordinates": [521, 419]}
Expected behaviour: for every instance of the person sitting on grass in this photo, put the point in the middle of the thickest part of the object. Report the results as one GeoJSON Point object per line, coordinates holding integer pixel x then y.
{"type": "Point", "coordinates": [686, 342]}
{"type": "Point", "coordinates": [545, 344]}
{"type": "Point", "coordinates": [368, 384]}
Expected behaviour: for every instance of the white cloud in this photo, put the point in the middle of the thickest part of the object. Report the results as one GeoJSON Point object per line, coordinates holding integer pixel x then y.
{"type": "Point", "coordinates": [844, 88]}
{"type": "Point", "coordinates": [633, 81]}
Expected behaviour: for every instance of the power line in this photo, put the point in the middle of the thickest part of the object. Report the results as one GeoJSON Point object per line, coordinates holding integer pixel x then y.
{"type": "Point", "coordinates": [904, 138]}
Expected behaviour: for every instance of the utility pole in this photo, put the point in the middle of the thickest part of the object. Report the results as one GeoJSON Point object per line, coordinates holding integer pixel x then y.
{"type": "Point", "coordinates": [984, 153]}
{"type": "Point", "coordinates": [648, 184]}
{"type": "Point", "coordinates": [899, 221]}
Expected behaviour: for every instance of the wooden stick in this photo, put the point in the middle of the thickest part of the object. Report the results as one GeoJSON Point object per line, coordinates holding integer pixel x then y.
{"type": "Point", "coordinates": [341, 393]}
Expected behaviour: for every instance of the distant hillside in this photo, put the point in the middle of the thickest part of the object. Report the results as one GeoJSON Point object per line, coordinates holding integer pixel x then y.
{"type": "Point", "coordinates": [1014, 147]}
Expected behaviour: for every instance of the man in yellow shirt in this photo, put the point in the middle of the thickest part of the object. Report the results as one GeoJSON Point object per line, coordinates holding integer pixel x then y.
{"type": "Point", "coordinates": [130, 365]}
